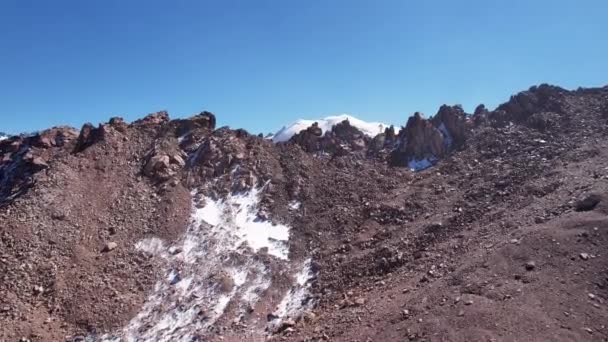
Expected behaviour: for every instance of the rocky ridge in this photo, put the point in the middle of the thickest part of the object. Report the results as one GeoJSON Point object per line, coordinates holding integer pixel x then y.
{"type": "Point", "coordinates": [502, 239]}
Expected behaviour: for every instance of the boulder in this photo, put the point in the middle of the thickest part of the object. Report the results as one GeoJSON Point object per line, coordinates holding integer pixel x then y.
{"type": "Point", "coordinates": [157, 165]}
{"type": "Point", "coordinates": [588, 202]}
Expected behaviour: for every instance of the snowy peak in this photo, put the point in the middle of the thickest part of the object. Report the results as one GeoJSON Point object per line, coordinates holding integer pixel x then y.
{"type": "Point", "coordinates": [370, 129]}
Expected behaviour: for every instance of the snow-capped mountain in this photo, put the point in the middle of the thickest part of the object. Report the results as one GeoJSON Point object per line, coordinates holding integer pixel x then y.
{"type": "Point", "coordinates": [3, 136]}
{"type": "Point", "coordinates": [368, 128]}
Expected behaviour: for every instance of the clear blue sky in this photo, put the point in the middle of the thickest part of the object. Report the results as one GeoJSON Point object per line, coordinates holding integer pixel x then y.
{"type": "Point", "coordinates": [260, 64]}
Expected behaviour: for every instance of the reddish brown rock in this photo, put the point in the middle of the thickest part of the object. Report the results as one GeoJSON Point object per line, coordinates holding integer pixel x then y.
{"type": "Point", "coordinates": [88, 136]}
{"type": "Point", "coordinates": [154, 119]}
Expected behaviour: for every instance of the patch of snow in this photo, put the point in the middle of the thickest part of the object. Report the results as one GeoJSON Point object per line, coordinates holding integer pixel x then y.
{"type": "Point", "coordinates": [370, 129]}
{"type": "Point", "coordinates": [294, 205]}
{"type": "Point", "coordinates": [238, 213]}
{"type": "Point", "coordinates": [210, 268]}
{"type": "Point", "coordinates": [446, 134]}
{"type": "Point", "coordinates": [2, 137]}
{"type": "Point", "coordinates": [298, 299]}
{"type": "Point", "coordinates": [419, 165]}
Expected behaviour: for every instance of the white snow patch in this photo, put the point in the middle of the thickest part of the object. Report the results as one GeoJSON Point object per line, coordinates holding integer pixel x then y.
{"type": "Point", "coordinates": [151, 246]}
{"type": "Point", "coordinates": [207, 270]}
{"type": "Point", "coordinates": [297, 300]}
{"type": "Point", "coordinates": [2, 137]}
{"type": "Point", "coordinates": [446, 134]}
{"type": "Point", "coordinates": [419, 165]}
{"type": "Point", "coordinates": [239, 214]}
{"type": "Point", "coordinates": [368, 128]}
{"type": "Point", "coordinates": [181, 138]}
{"type": "Point", "coordinates": [295, 205]}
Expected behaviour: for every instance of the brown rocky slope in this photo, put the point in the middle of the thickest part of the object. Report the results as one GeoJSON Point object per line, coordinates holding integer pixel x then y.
{"type": "Point", "coordinates": [503, 239]}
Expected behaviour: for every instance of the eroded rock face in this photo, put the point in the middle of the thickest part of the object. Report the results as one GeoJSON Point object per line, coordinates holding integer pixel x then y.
{"type": "Point", "coordinates": [544, 98]}
{"type": "Point", "coordinates": [452, 122]}
{"type": "Point", "coordinates": [88, 136]}
{"type": "Point", "coordinates": [426, 141]}
{"type": "Point", "coordinates": [204, 120]}
{"type": "Point", "coordinates": [419, 140]}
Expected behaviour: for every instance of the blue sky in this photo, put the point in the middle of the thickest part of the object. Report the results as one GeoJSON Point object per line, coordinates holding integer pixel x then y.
{"type": "Point", "coordinates": [262, 64]}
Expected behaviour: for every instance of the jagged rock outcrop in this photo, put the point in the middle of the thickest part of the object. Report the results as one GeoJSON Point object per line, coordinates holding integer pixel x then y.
{"type": "Point", "coordinates": [452, 122]}
{"type": "Point", "coordinates": [54, 137]}
{"type": "Point", "coordinates": [542, 98]}
{"type": "Point", "coordinates": [88, 136]}
{"type": "Point", "coordinates": [342, 139]}
{"type": "Point", "coordinates": [202, 121]}
{"type": "Point", "coordinates": [419, 140]}
{"type": "Point", "coordinates": [153, 119]}
{"type": "Point", "coordinates": [309, 139]}
{"type": "Point", "coordinates": [118, 124]}
{"type": "Point", "coordinates": [427, 141]}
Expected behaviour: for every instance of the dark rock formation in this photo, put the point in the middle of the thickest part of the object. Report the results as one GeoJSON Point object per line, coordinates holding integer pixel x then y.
{"type": "Point", "coordinates": [452, 122]}
{"type": "Point", "coordinates": [88, 136]}
{"type": "Point", "coordinates": [420, 139]}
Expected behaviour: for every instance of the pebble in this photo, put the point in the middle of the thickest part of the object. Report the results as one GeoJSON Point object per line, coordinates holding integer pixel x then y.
{"type": "Point", "coordinates": [110, 246]}
{"type": "Point", "coordinates": [530, 265]}
{"type": "Point", "coordinates": [584, 256]}
{"type": "Point", "coordinates": [360, 301]}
